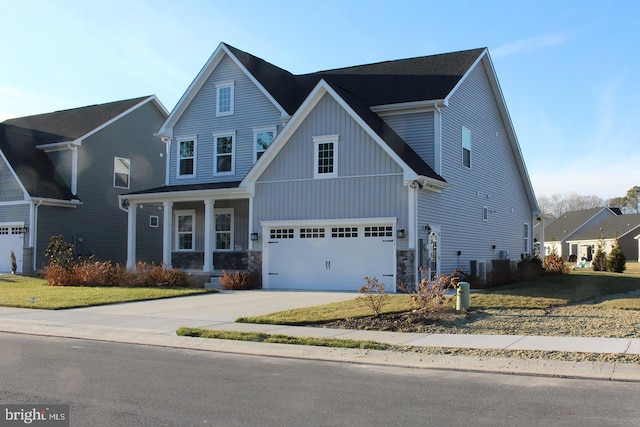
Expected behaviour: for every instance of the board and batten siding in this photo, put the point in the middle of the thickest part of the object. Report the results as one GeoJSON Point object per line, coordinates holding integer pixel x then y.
{"type": "Point", "coordinates": [9, 187]}
{"type": "Point", "coordinates": [252, 109]}
{"type": "Point", "coordinates": [99, 220]}
{"type": "Point", "coordinates": [368, 184]}
{"type": "Point", "coordinates": [493, 181]}
{"type": "Point", "coordinates": [417, 130]}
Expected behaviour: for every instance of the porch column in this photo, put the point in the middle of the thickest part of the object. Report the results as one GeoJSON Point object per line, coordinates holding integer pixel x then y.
{"type": "Point", "coordinates": [131, 236]}
{"type": "Point", "coordinates": [208, 227]}
{"type": "Point", "coordinates": [167, 230]}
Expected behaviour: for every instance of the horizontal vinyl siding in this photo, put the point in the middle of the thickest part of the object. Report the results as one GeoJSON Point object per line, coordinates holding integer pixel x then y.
{"type": "Point", "coordinates": [493, 181]}
{"type": "Point", "coordinates": [9, 187]}
{"type": "Point", "coordinates": [417, 129]}
{"type": "Point", "coordinates": [149, 239]}
{"type": "Point", "coordinates": [15, 213]}
{"type": "Point", "coordinates": [251, 110]}
{"type": "Point", "coordinates": [99, 219]}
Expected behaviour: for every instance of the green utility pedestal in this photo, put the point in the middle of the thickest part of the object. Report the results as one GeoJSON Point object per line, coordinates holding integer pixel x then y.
{"type": "Point", "coordinates": [462, 296]}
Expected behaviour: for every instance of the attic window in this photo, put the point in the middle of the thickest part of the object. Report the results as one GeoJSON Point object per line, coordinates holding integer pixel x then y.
{"type": "Point", "coordinates": [326, 156]}
{"type": "Point", "coordinates": [224, 98]}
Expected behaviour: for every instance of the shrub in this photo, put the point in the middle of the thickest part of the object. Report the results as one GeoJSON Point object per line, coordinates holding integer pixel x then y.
{"type": "Point", "coordinates": [56, 275]}
{"type": "Point", "coordinates": [14, 264]}
{"type": "Point", "coordinates": [600, 258]}
{"type": "Point", "coordinates": [530, 268]}
{"type": "Point", "coordinates": [90, 272]}
{"type": "Point", "coordinates": [554, 264]}
{"type": "Point", "coordinates": [372, 295]}
{"type": "Point", "coordinates": [149, 275]}
{"type": "Point", "coordinates": [616, 261]}
{"type": "Point", "coordinates": [430, 293]}
{"type": "Point", "coordinates": [239, 280]}
{"type": "Point", "coordinates": [59, 253]}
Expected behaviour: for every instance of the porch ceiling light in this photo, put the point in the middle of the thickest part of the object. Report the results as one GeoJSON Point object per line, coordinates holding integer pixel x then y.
{"type": "Point", "coordinates": [401, 233]}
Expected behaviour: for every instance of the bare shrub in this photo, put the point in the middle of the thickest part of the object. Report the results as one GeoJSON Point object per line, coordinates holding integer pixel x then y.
{"type": "Point", "coordinates": [373, 295]}
{"type": "Point", "coordinates": [239, 280]}
{"type": "Point", "coordinates": [431, 293]}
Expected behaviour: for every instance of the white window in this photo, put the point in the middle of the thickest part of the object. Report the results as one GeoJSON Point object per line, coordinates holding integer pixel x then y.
{"type": "Point", "coordinates": [187, 157]}
{"type": "Point", "coordinates": [262, 139]}
{"type": "Point", "coordinates": [121, 172]}
{"type": "Point", "coordinates": [224, 98]}
{"type": "Point", "coordinates": [154, 221]}
{"type": "Point", "coordinates": [466, 147]}
{"type": "Point", "coordinates": [326, 156]}
{"type": "Point", "coordinates": [223, 153]}
{"type": "Point", "coordinates": [526, 238]}
{"type": "Point", "coordinates": [224, 229]}
{"type": "Point", "coordinates": [185, 230]}
{"type": "Point", "coordinates": [485, 213]}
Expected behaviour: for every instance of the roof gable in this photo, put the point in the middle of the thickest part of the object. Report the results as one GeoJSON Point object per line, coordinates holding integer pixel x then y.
{"type": "Point", "coordinates": [568, 223]}
{"type": "Point", "coordinates": [374, 126]}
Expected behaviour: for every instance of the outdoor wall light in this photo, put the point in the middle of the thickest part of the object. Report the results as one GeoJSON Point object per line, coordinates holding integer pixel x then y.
{"type": "Point", "coordinates": [493, 247]}
{"type": "Point", "coordinates": [401, 233]}
{"type": "Point", "coordinates": [427, 228]}
{"type": "Point", "coordinates": [254, 237]}
{"type": "Point", "coordinates": [24, 229]}
{"type": "Point", "coordinates": [459, 253]}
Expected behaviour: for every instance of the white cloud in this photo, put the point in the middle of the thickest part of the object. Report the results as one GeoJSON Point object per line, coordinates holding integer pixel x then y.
{"type": "Point", "coordinates": [530, 44]}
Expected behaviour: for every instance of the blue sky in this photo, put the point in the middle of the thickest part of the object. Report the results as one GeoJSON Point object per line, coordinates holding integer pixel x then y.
{"type": "Point", "coordinates": [568, 69]}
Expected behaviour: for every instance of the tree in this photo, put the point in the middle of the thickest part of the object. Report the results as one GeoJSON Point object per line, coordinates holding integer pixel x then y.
{"type": "Point", "coordinates": [633, 199]}
{"type": "Point", "coordinates": [560, 203]}
{"type": "Point", "coordinates": [616, 261]}
{"type": "Point", "coordinates": [600, 258]}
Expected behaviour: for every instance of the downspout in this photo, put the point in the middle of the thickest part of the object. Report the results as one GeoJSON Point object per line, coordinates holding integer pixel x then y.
{"type": "Point", "coordinates": [167, 145]}
{"type": "Point", "coordinates": [74, 168]}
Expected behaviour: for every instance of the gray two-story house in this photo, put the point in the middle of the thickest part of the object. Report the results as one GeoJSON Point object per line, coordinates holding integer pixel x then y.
{"type": "Point", "coordinates": [390, 170]}
{"type": "Point", "coordinates": [62, 173]}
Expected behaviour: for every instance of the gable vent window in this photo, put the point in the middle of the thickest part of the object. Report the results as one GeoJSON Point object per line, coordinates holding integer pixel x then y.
{"type": "Point", "coordinates": [121, 172]}
{"type": "Point", "coordinates": [224, 98]}
{"type": "Point", "coordinates": [466, 147]}
{"type": "Point", "coordinates": [326, 156]}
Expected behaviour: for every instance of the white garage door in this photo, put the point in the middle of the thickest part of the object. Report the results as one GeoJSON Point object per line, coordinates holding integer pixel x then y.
{"type": "Point", "coordinates": [11, 238]}
{"type": "Point", "coordinates": [333, 257]}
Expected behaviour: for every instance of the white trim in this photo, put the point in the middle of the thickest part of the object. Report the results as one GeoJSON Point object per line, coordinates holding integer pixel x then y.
{"type": "Point", "coordinates": [224, 85]}
{"type": "Point", "coordinates": [15, 202]}
{"type": "Point", "coordinates": [185, 196]}
{"type": "Point", "coordinates": [224, 211]}
{"type": "Point", "coordinates": [167, 232]}
{"type": "Point", "coordinates": [224, 134]}
{"type": "Point", "coordinates": [132, 235]}
{"type": "Point", "coordinates": [325, 139]}
{"type": "Point", "coordinates": [412, 220]}
{"type": "Point", "coordinates": [59, 146]}
{"type": "Point", "coordinates": [338, 177]}
{"type": "Point", "coordinates": [176, 234]}
{"type": "Point", "coordinates": [178, 157]}
{"type": "Point", "coordinates": [464, 131]}
{"type": "Point", "coordinates": [329, 222]}
{"type": "Point", "coordinates": [406, 107]}
{"type": "Point", "coordinates": [157, 221]}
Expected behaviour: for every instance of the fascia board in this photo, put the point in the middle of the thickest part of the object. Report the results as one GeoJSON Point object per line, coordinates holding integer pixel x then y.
{"type": "Point", "coordinates": [328, 222]}
{"type": "Point", "coordinates": [182, 196]}
{"type": "Point", "coordinates": [59, 146]}
{"type": "Point", "coordinates": [192, 90]}
{"type": "Point", "coordinates": [56, 202]}
{"type": "Point", "coordinates": [251, 77]}
{"type": "Point", "coordinates": [25, 193]}
{"type": "Point", "coordinates": [407, 107]}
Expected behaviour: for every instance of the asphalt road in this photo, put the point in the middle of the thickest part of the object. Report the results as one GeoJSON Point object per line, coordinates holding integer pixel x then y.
{"type": "Point", "coordinates": [109, 384]}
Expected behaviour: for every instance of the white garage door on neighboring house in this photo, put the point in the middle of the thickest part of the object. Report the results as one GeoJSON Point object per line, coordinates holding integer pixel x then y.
{"type": "Point", "coordinates": [328, 256]}
{"type": "Point", "coordinates": [11, 239]}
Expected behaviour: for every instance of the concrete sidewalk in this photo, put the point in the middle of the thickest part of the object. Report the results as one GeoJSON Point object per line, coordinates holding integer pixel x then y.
{"type": "Point", "coordinates": [155, 322]}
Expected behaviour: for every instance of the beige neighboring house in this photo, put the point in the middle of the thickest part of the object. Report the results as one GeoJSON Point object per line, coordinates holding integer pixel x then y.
{"type": "Point", "coordinates": [625, 227]}
{"type": "Point", "coordinates": [554, 234]}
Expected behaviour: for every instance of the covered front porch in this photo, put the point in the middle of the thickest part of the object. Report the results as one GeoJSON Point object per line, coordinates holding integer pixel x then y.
{"type": "Point", "coordinates": [203, 230]}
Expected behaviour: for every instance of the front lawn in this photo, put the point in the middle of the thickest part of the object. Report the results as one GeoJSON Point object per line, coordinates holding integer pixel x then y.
{"type": "Point", "coordinates": [525, 307]}
{"type": "Point", "coordinates": [31, 292]}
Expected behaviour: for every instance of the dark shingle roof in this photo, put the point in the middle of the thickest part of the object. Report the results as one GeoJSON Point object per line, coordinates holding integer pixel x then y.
{"type": "Point", "coordinates": [19, 138]}
{"type": "Point", "coordinates": [566, 224]}
{"type": "Point", "coordinates": [189, 187]}
{"type": "Point", "coordinates": [424, 78]}
{"type": "Point", "coordinates": [33, 167]}
{"type": "Point", "coordinates": [76, 122]}
{"type": "Point", "coordinates": [618, 225]}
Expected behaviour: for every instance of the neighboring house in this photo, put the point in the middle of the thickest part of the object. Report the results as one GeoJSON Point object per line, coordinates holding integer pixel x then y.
{"type": "Point", "coordinates": [623, 227]}
{"type": "Point", "coordinates": [62, 173]}
{"type": "Point", "coordinates": [557, 232]}
{"type": "Point", "coordinates": [318, 180]}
